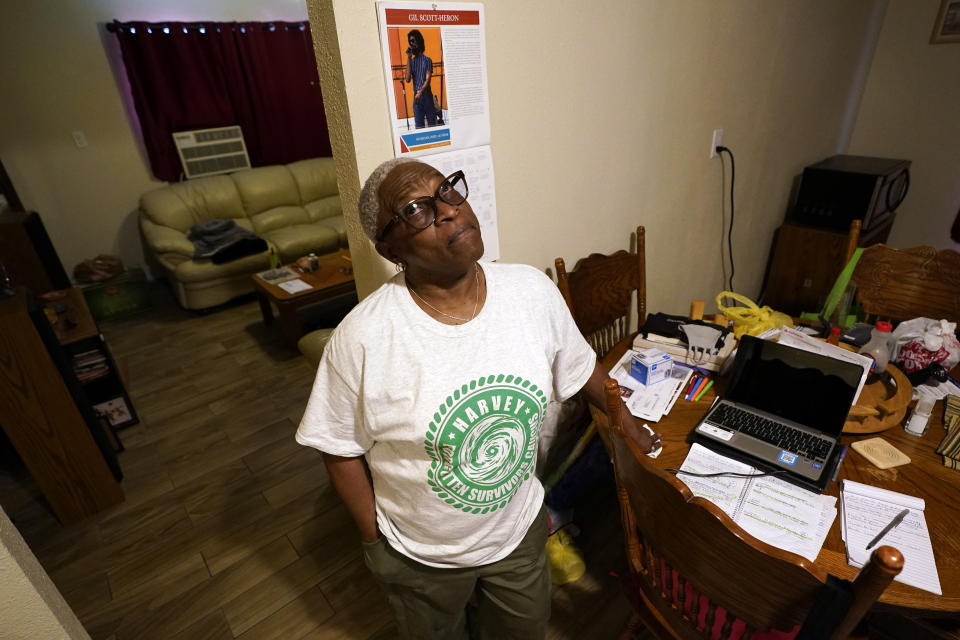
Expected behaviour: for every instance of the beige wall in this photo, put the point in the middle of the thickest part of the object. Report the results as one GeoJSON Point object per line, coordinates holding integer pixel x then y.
{"type": "Point", "coordinates": [30, 605]}
{"type": "Point", "coordinates": [356, 114]}
{"type": "Point", "coordinates": [57, 77]}
{"type": "Point", "coordinates": [650, 81]}
{"type": "Point", "coordinates": [911, 109]}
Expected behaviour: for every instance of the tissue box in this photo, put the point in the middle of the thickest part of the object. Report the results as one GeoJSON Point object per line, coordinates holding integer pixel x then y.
{"type": "Point", "coordinates": [650, 366]}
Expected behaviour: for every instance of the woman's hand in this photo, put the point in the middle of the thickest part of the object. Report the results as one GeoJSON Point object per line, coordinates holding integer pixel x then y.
{"type": "Point", "coordinates": [594, 389]}
{"type": "Point", "coordinates": [648, 442]}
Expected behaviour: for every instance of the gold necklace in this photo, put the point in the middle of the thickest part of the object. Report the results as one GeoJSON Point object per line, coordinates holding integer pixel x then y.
{"type": "Point", "coordinates": [476, 274]}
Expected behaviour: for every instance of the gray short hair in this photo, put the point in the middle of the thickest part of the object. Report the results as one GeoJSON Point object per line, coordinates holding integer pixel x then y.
{"type": "Point", "coordinates": [369, 203]}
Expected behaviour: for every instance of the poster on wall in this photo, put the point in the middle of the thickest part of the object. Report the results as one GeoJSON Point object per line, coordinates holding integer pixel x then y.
{"type": "Point", "coordinates": [477, 166]}
{"type": "Point", "coordinates": [435, 67]}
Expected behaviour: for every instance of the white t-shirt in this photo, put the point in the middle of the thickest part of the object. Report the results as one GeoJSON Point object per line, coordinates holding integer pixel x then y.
{"type": "Point", "coordinates": [449, 417]}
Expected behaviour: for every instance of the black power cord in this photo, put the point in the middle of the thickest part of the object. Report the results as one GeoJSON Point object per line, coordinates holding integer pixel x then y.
{"type": "Point", "coordinates": [732, 474]}
{"type": "Point", "coordinates": [733, 178]}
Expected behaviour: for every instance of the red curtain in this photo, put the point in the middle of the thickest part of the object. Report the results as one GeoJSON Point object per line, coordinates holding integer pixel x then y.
{"type": "Point", "coordinates": [262, 76]}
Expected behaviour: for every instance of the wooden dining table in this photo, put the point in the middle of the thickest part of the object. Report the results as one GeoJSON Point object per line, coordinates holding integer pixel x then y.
{"type": "Point", "coordinates": [924, 477]}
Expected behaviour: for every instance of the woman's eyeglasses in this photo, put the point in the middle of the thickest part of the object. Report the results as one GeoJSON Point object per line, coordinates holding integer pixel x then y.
{"type": "Point", "coordinates": [420, 213]}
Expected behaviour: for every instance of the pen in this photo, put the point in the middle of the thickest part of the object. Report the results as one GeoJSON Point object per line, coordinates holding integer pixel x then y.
{"type": "Point", "coordinates": [896, 520]}
{"type": "Point", "coordinates": [693, 385]}
{"type": "Point", "coordinates": [836, 470]}
{"type": "Point", "coordinates": [696, 398]}
{"type": "Point", "coordinates": [700, 387]}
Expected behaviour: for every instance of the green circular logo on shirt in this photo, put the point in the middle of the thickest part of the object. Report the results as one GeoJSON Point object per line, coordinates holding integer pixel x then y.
{"type": "Point", "coordinates": [483, 440]}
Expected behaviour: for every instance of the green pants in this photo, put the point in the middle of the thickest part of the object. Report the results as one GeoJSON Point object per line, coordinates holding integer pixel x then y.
{"type": "Point", "coordinates": [512, 595]}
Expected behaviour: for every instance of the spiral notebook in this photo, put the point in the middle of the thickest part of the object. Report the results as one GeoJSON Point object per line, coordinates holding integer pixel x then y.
{"type": "Point", "coordinates": [866, 510]}
{"type": "Point", "coordinates": [769, 509]}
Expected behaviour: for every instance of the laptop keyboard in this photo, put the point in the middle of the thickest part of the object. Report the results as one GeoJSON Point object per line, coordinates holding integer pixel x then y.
{"type": "Point", "coordinates": [780, 435]}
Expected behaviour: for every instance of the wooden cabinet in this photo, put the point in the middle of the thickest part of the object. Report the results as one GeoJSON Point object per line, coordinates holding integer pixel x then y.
{"type": "Point", "coordinates": [805, 262]}
{"type": "Point", "coordinates": [47, 418]}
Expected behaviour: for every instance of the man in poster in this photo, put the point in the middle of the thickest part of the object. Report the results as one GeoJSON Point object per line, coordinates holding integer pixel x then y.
{"type": "Point", "coordinates": [420, 70]}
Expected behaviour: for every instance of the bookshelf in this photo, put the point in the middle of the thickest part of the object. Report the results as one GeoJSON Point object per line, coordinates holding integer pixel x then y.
{"type": "Point", "coordinates": [91, 361]}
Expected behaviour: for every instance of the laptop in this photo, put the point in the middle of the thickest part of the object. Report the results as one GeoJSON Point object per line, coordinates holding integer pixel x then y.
{"type": "Point", "coordinates": [784, 408]}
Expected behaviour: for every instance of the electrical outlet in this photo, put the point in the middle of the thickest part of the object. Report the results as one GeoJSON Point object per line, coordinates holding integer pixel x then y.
{"type": "Point", "coordinates": [715, 142]}
{"type": "Point", "coordinates": [79, 139]}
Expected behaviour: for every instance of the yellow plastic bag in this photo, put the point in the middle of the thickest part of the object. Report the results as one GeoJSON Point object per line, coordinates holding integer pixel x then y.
{"type": "Point", "coordinates": [566, 563]}
{"type": "Point", "coordinates": [751, 319]}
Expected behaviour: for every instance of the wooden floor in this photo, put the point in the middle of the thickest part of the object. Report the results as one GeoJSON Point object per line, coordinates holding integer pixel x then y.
{"type": "Point", "coordinates": [230, 529]}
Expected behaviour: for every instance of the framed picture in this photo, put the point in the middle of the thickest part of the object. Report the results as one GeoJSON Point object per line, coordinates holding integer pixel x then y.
{"type": "Point", "coordinates": [947, 27]}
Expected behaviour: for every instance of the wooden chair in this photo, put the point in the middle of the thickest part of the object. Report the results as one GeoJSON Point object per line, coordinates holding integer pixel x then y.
{"type": "Point", "coordinates": [899, 284]}
{"type": "Point", "coordinates": [599, 290]}
{"type": "Point", "coordinates": [689, 559]}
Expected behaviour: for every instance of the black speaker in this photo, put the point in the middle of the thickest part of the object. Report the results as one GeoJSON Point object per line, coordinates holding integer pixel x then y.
{"type": "Point", "coordinates": [841, 189]}
{"type": "Point", "coordinates": [27, 253]}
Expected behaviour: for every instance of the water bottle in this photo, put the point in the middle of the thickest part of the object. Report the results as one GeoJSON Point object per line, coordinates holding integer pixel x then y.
{"type": "Point", "coordinates": [878, 347]}
{"type": "Point", "coordinates": [834, 336]}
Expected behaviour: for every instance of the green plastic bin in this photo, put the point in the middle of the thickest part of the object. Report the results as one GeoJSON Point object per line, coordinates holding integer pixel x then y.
{"type": "Point", "coordinates": [124, 295]}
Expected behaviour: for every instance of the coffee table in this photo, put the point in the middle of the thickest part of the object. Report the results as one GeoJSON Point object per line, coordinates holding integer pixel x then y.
{"type": "Point", "coordinates": [334, 279]}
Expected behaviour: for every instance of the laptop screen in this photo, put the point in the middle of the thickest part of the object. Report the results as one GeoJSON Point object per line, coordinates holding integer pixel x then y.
{"type": "Point", "coordinates": [809, 388]}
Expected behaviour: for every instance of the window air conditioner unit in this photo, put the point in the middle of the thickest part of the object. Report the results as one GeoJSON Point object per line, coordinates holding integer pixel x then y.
{"type": "Point", "coordinates": [206, 152]}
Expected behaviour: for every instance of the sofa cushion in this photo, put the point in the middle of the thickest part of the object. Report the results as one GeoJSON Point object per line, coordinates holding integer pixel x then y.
{"type": "Point", "coordinates": [203, 270]}
{"type": "Point", "coordinates": [164, 239]}
{"type": "Point", "coordinates": [266, 188]}
{"type": "Point", "coordinates": [183, 204]}
{"type": "Point", "coordinates": [323, 208]}
{"type": "Point", "coordinates": [338, 224]}
{"type": "Point", "coordinates": [246, 223]}
{"type": "Point", "coordinates": [277, 218]}
{"type": "Point", "coordinates": [315, 177]}
{"type": "Point", "coordinates": [298, 240]}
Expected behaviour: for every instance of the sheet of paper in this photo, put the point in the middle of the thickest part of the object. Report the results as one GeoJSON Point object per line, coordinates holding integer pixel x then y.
{"type": "Point", "coordinates": [683, 374]}
{"type": "Point", "coordinates": [851, 487]}
{"type": "Point", "coordinates": [938, 390]}
{"type": "Point", "coordinates": [651, 402]}
{"type": "Point", "coordinates": [787, 516]}
{"type": "Point", "coordinates": [793, 338]}
{"type": "Point", "coordinates": [276, 276]}
{"type": "Point", "coordinates": [770, 334]}
{"type": "Point", "coordinates": [866, 513]}
{"type": "Point", "coordinates": [771, 510]}
{"type": "Point", "coordinates": [452, 35]}
{"type": "Point", "coordinates": [723, 491]}
{"type": "Point", "coordinates": [621, 371]}
{"type": "Point", "coordinates": [294, 286]}
{"type": "Point", "coordinates": [647, 402]}
{"type": "Point", "coordinates": [477, 166]}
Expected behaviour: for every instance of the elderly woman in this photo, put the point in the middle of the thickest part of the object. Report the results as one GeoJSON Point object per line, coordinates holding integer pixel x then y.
{"type": "Point", "coordinates": [427, 407]}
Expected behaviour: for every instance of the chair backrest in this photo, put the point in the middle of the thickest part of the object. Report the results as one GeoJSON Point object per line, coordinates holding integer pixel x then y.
{"type": "Point", "coordinates": [902, 284]}
{"type": "Point", "coordinates": [689, 557]}
{"type": "Point", "coordinates": [599, 290]}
